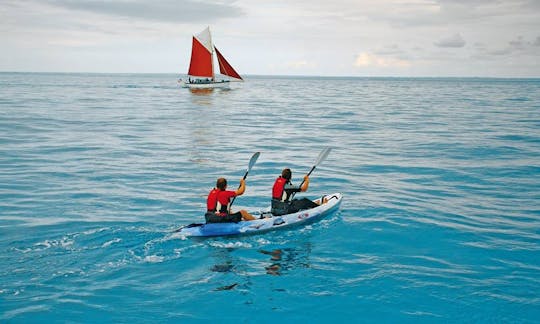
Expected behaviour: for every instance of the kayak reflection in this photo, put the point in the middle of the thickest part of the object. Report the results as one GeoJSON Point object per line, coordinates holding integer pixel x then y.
{"type": "Point", "coordinates": [286, 259]}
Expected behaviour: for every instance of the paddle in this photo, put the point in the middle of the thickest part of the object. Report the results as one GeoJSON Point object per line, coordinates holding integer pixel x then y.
{"type": "Point", "coordinates": [322, 156]}
{"type": "Point", "coordinates": [252, 162]}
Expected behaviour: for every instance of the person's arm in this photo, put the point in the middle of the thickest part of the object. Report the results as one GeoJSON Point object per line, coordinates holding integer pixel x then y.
{"type": "Point", "coordinates": [305, 185]}
{"type": "Point", "coordinates": [242, 188]}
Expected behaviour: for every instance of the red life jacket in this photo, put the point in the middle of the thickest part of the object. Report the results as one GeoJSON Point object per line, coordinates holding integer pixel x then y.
{"type": "Point", "coordinates": [217, 205]}
{"type": "Point", "coordinates": [278, 189]}
{"type": "Point", "coordinates": [211, 201]}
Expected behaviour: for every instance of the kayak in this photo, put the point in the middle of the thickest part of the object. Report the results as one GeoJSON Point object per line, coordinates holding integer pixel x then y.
{"type": "Point", "coordinates": [266, 222]}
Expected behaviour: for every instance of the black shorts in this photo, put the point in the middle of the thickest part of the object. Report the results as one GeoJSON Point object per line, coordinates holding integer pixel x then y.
{"type": "Point", "coordinates": [229, 218]}
{"type": "Point", "coordinates": [289, 207]}
{"type": "Point", "coordinates": [302, 204]}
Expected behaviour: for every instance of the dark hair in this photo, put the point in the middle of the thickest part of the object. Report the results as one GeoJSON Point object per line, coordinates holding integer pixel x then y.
{"type": "Point", "coordinates": [221, 183]}
{"type": "Point", "coordinates": [286, 173]}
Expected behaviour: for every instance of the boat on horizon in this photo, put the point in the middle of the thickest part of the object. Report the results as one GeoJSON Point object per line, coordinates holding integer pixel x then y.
{"type": "Point", "coordinates": [201, 68]}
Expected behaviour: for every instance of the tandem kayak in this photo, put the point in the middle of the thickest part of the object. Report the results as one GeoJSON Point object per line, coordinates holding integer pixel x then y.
{"type": "Point", "coordinates": [268, 222]}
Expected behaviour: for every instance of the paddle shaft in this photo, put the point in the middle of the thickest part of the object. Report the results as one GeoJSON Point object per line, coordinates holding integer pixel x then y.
{"type": "Point", "coordinates": [309, 173]}
{"type": "Point", "coordinates": [240, 185]}
{"type": "Point", "coordinates": [252, 162]}
{"type": "Point", "coordinates": [322, 156]}
{"type": "Point", "coordinates": [303, 180]}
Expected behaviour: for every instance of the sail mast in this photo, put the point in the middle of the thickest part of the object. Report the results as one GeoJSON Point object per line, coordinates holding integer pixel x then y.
{"type": "Point", "coordinates": [211, 52]}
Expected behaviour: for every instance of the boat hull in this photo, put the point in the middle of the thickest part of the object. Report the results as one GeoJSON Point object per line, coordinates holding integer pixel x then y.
{"type": "Point", "coordinates": [264, 224]}
{"type": "Point", "coordinates": [205, 85]}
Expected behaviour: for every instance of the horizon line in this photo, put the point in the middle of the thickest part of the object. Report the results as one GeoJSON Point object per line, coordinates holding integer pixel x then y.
{"type": "Point", "coordinates": [287, 75]}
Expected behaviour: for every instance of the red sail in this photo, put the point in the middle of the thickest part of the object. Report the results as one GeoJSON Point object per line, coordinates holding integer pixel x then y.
{"type": "Point", "coordinates": [225, 68]}
{"type": "Point", "coordinates": [201, 61]}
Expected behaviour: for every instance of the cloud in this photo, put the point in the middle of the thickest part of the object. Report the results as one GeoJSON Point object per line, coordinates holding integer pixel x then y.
{"type": "Point", "coordinates": [180, 11]}
{"type": "Point", "coordinates": [522, 45]}
{"type": "Point", "coordinates": [370, 60]}
{"type": "Point", "coordinates": [454, 41]}
{"type": "Point", "coordinates": [517, 47]}
{"type": "Point", "coordinates": [517, 43]}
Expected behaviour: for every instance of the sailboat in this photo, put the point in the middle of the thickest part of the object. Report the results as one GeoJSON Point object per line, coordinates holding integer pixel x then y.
{"type": "Point", "coordinates": [201, 68]}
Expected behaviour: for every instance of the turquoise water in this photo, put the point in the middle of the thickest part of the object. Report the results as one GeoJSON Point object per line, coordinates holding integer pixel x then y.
{"type": "Point", "coordinates": [440, 220]}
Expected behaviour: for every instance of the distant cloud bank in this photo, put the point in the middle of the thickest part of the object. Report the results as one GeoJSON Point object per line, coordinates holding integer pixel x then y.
{"type": "Point", "coordinates": [454, 41]}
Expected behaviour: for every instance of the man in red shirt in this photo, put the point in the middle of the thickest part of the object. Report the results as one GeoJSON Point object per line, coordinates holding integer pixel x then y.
{"type": "Point", "coordinates": [218, 204]}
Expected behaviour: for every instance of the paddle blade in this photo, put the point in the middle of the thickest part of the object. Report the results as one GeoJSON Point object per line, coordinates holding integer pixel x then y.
{"type": "Point", "coordinates": [323, 155]}
{"type": "Point", "coordinates": [253, 160]}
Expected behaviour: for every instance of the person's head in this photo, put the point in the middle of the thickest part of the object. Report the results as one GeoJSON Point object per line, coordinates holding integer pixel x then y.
{"type": "Point", "coordinates": [221, 183]}
{"type": "Point", "coordinates": [286, 173]}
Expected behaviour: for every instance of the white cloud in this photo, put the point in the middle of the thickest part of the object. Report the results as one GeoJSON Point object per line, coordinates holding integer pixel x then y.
{"type": "Point", "coordinates": [454, 41]}
{"type": "Point", "coordinates": [370, 60]}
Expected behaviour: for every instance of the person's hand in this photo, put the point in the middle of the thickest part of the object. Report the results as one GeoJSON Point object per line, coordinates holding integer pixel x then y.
{"type": "Point", "coordinates": [242, 182]}
{"type": "Point", "coordinates": [306, 178]}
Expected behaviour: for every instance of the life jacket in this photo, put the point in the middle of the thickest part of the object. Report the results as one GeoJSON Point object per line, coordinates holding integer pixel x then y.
{"type": "Point", "coordinates": [278, 191]}
{"type": "Point", "coordinates": [213, 204]}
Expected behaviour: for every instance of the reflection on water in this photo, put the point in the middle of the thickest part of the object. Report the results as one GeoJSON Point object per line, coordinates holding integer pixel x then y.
{"type": "Point", "coordinates": [206, 103]}
{"type": "Point", "coordinates": [201, 91]}
{"type": "Point", "coordinates": [225, 267]}
{"type": "Point", "coordinates": [228, 287]}
{"type": "Point", "coordinates": [199, 125]}
{"type": "Point", "coordinates": [287, 259]}
{"type": "Point", "coordinates": [276, 257]}
{"type": "Point", "coordinates": [226, 264]}
{"type": "Point", "coordinates": [276, 262]}
{"type": "Point", "coordinates": [202, 97]}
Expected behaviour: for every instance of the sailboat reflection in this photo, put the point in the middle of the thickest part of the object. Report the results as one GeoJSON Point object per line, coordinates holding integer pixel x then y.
{"type": "Point", "coordinates": [201, 91]}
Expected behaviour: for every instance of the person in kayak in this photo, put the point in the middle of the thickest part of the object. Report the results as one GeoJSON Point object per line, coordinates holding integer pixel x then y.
{"type": "Point", "coordinates": [282, 192]}
{"type": "Point", "coordinates": [218, 204]}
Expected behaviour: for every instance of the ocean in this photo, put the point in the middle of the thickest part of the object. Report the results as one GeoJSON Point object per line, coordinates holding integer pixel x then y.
{"type": "Point", "coordinates": [440, 220]}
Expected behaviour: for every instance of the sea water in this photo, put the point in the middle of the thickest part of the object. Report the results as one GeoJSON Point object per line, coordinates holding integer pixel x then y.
{"type": "Point", "coordinates": [440, 220]}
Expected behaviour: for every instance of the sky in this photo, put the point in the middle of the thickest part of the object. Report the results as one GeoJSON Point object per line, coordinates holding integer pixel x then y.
{"type": "Point", "coordinates": [396, 38]}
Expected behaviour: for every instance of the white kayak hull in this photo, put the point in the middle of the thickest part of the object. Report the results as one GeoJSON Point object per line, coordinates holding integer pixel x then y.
{"type": "Point", "coordinates": [264, 224]}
